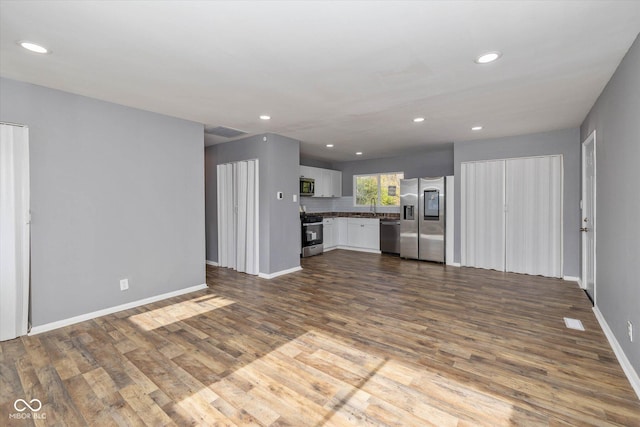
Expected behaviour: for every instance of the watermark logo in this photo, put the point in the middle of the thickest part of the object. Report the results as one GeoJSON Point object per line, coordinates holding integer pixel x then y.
{"type": "Point", "coordinates": [34, 405]}
{"type": "Point", "coordinates": [21, 405]}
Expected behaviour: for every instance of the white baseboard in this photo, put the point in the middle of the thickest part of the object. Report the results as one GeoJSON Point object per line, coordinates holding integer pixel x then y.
{"type": "Point", "coordinates": [279, 273]}
{"type": "Point", "coordinates": [454, 264]}
{"type": "Point", "coordinates": [88, 316]}
{"type": "Point", "coordinates": [571, 278]}
{"type": "Point", "coordinates": [631, 374]}
{"type": "Point", "coordinates": [213, 263]}
{"type": "Point", "coordinates": [353, 248]}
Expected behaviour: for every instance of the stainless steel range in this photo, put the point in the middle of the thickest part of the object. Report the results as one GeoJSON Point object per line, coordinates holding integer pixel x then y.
{"type": "Point", "coordinates": [311, 235]}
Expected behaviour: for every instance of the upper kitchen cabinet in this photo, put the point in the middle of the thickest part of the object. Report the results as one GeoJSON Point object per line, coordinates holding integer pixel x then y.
{"type": "Point", "coordinates": [328, 182]}
{"type": "Point", "coordinates": [309, 172]}
{"type": "Point", "coordinates": [331, 183]}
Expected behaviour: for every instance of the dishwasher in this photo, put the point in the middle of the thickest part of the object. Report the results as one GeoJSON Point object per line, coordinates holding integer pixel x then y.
{"type": "Point", "coordinates": [390, 236]}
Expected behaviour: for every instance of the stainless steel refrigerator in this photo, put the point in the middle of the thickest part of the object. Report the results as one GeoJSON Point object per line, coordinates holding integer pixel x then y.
{"type": "Point", "coordinates": [422, 219]}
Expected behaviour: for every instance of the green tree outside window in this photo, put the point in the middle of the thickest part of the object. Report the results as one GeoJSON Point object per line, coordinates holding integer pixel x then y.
{"type": "Point", "coordinates": [374, 189]}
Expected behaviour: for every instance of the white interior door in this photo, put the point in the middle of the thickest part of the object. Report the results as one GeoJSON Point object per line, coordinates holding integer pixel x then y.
{"type": "Point", "coordinates": [588, 229]}
{"type": "Point", "coordinates": [14, 231]}
{"type": "Point", "coordinates": [533, 206]}
{"type": "Point", "coordinates": [482, 215]}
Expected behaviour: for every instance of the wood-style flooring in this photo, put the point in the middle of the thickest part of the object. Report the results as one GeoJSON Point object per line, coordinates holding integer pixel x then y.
{"type": "Point", "coordinates": [353, 339]}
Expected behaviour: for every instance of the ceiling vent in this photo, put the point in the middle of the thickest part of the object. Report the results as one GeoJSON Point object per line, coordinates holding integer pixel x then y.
{"type": "Point", "coordinates": [223, 131]}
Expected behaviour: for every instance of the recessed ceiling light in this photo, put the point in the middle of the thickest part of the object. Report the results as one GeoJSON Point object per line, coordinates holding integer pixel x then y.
{"type": "Point", "coordinates": [358, 153]}
{"type": "Point", "coordinates": [418, 119]}
{"type": "Point", "coordinates": [329, 145]}
{"type": "Point", "coordinates": [476, 128]}
{"type": "Point", "coordinates": [265, 117]}
{"type": "Point", "coordinates": [485, 58]}
{"type": "Point", "coordinates": [34, 47]}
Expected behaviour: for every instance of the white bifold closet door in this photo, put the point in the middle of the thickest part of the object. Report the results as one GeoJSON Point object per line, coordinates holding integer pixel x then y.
{"type": "Point", "coordinates": [238, 216]}
{"type": "Point", "coordinates": [511, 215]}
{"type": "Point", "coordinates": [14, 231]}
{"type": "Point", "coordinates": [482, 215]}
{"type": "Point", "coordinates": [534, 216]}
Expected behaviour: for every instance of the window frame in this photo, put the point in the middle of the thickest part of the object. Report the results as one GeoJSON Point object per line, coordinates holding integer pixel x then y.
{"type": "Point", "coordinates": [379, 197]}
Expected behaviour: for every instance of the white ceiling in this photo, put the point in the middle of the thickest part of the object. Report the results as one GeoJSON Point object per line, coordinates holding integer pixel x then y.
{"type": "Point", "coordinates": [353, 74]}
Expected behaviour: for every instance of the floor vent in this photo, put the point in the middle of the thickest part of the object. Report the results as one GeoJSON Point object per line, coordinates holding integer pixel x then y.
{"type": "Point", "coordinates": [573, 323]}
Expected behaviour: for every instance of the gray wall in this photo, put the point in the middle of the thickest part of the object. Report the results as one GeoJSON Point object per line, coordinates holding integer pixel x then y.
{"type": "Point", "coordinates": [430, 162]}
{"type": "Point", "coordinates": [316, 163]}
{"type": "Point", "coordinates": [565, 142]}
{"type": "Point", "coordinates": [279, 220]}
{"type": "Point", "coordinates": [115, 193]}
{"type": "Point", "coordinates": [615, 118]}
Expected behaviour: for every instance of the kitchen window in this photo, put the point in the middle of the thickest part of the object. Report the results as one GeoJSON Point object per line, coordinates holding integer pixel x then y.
{"type": "Point", "coordinates": [380, 189]}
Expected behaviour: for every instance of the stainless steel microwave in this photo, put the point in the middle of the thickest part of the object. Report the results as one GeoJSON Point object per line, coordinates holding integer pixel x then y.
{"type": "Point", "coordinates": [307, 186]}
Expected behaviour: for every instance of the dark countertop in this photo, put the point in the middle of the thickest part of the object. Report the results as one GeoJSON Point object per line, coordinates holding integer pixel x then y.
{"type": "Point", "coordinates": [385, 215]}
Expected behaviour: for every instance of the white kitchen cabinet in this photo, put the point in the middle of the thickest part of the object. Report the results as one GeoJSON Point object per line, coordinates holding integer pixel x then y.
{"type": "Point", "coordinates": [323, 187]}
{"type": "Point", "coordinates": [342, 231]}
{"type": "Point", "coordinates": [329, 233]}
{"type": "Point", "coordinates": [336, 184]}
{"type": "Point", "coordinates": [363, 234]}
{"type": "Point", "coordinates": [328, 182]}
{"type": "Point", "coordinates": [310, 172]}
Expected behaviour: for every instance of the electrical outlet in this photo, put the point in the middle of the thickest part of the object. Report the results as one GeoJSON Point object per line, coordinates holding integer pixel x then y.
{"type": "Point", "coordinates": [630, 330]}
{"type": "Point", "coordinates": [124, 284]}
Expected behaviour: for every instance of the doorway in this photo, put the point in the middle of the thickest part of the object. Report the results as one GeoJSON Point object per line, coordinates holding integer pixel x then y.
{"type": "Point", "coordinates": [588, 224]}
{"type": "Point", "coordinates": [14, 231]}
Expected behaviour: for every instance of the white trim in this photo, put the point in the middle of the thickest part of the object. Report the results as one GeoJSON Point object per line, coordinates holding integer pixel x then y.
{"type": "Point", "coordinates": [571, 279]}
{"type": "Point", "coordinates": [279, 273]}
{"type": "Point", "coordinates": [583, 272]}
{"type": "Point", "coordinates": [455, 264]}
{"type": "Point", "coordinates": [88, 316]}
{"type": "Point", "coordinates": [631, 374]}
{"type": "Point", "coordinates": [213, 263]}
{"type": "Point", "coordinates": [331, 248]}
{"type": "Point", "coordinates": [356, 249]}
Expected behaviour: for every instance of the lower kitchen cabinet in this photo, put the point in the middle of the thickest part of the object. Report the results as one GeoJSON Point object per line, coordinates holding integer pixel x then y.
{"type": "Point", "coordinates": [329, 233]}
{"type": "Point", "coordinates": [342, 231]}
{"type": "Point", "coordinates": [357, 234]}
{"type": "Point", "coordinates": [363, 233]}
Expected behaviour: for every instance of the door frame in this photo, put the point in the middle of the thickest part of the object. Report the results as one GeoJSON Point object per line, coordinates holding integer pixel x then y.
{"type": "Point", "coordinates": [591, 139]}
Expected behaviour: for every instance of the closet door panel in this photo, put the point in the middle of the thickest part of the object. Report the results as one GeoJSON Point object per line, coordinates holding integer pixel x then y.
{"type": "Point", "coordinates": [252, 255]}
{"type": "Point", "coordinates": [226, 216]}
{"type": "Point", "coordinates": [534, 216]}
{"type": "Point", "coordinates": [241, 192]}
{"type": "Point", "coordinates": [482, 215]}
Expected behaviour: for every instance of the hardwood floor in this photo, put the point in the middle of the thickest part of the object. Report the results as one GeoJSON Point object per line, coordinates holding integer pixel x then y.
{"type": "Point", "coordinates": [353, 339]}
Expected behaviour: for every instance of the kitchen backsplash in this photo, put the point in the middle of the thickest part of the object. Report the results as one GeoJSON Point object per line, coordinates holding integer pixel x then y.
{"type": "Point", "coordinates": [340, 204]}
